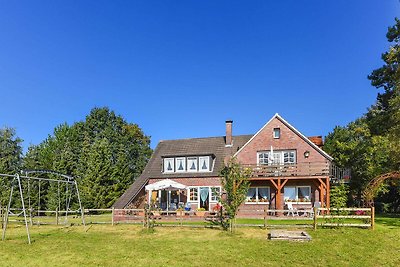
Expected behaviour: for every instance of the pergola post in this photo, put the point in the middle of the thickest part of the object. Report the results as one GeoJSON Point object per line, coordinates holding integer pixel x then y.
{"type": "Point", "coordinates": [278, 196]}
{"type": "Point", "coordinates": [328, 194]}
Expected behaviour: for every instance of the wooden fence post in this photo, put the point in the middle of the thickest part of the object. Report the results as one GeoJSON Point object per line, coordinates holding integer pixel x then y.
{"type": "Point", "coordinates": [315, 218]}
{"type": "Point", "coordinates": [372, 218]}
{"type": "Point", "coordinates": [265, 217]}
{"type": "Point", "coordinates": [112, 216]}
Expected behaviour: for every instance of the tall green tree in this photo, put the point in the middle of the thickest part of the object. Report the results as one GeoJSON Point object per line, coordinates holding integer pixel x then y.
{"type": "Point", "coordinates": [104, 152]}
{"type": "Point", "coordinates": [10, 159]}
{"type": "Point", "coordinates": [370, 146]}
{"type": "Point", "coordinates": [384, 114]}
{"type": "Point", "coordinates": [10, 151]}
{"type": "Point", "coordinates": [355, 147]}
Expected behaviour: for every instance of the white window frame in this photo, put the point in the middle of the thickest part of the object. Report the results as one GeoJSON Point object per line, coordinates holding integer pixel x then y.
{"type": "Point", "coordinates": [296, 188]}
{"type": "Point", "coordinates": [197, 195]}
{"type": "Point", "coordinates": [165, 164]}
{"type": "Point", "coordinates": [189, 165]}
{"type": "Point", "coordinates": [303, 186]}
{"type": "Point", "coordinates": [277, 154]}
{"type": "Point", "coordinates": [184, 164]}
{"type": "Point", "coordinates": [277, 133]}
{"type": "Point", "coordinates": [208, 159]}
{"type": "Point", "coordinates": [257, 200]}
{"type": "Point", "coordinates": [214, 198]}
{"type": "Point", "coordinates": [264, 158]}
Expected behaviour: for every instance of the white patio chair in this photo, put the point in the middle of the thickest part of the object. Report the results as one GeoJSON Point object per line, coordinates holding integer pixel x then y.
{"type": "Point", "coordinates": [291, 209]}
{"type": "Point", "coordinates": [316, 205]}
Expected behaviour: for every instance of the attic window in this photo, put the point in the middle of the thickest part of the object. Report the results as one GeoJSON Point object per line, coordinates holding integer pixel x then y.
{"type": "Point", "coordinates": [180, 164]}
{"type": "Point", "coordinates": [187, 164]}
{"type": "Point", "coordinates": [277, 133]}
{"type": "Point", "coordinates": [169, 165]}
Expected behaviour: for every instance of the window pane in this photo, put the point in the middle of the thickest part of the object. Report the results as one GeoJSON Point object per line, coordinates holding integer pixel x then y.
{"type": "Point", "coordinates": [251, 194]}
{"type": "Point", "coordinates": [204, 163]}
{"type": "Point", "coordinates": [277, 133]}
{"type": "Point", "coordinates": [263, 194]}
{"type": "Point", "coordinates": [290, 193]}
{"type": "Point", "coordinates": [180, 164]}
{"type": "Point", "coordinates": [192, 164]}
{"type": "Point", "coordinates": [263, 158]}
{"type": "Point", "coordinates": [304, 193]}
{"type": "Point", "coordinates": [193, 194]}
{"type": "Point", "coordinates": [169, 165]}
{"type": "Point", "coordinates": [215, 192]}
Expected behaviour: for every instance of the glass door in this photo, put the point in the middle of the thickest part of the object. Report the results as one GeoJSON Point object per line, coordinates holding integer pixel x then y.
{"type": "Point", "coordinates": [205, 197]}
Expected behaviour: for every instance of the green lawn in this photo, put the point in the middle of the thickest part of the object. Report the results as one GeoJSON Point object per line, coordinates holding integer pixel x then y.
{"type": "Point", "coordinates": [129, 245]}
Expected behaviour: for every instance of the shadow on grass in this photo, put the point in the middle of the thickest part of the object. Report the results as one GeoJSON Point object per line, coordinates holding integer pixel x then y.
{"type": "Point", "coordinates": [392, 221]}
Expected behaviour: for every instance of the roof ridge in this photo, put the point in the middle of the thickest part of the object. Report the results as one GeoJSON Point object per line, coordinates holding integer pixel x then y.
{"type": "Point", "coordinates": [211, 137]}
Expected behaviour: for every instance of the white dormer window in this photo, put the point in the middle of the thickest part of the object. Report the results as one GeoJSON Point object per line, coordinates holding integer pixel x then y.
{"type": "Point", "coordinates": [204, 164]}
{"type": "Point", "coordinates": [187, 164]}
{"type": "Point", "coordinates": [169, 165]}
{"type": "Point", "coordinates": [277, 133]}
{"type": "Point", "coordinates": [192, 164]}
{"type": "Point", "coordinates": [180, 164]}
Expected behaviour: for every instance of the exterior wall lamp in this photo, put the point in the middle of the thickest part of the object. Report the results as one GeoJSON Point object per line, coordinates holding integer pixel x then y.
{"type": "Point", "coordinates": [306, 154]}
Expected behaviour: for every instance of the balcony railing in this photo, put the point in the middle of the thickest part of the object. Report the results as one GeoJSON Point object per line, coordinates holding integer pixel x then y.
{"type": "Point", "coordinates": [300, 170]}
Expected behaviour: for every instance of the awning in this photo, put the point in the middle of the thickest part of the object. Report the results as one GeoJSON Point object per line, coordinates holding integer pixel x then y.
{"type": "Point", "coordinates": [165, 184]}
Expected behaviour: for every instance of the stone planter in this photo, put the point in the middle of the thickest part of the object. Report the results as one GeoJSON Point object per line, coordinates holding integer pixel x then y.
{"type": "Point", "coordinates": [200, 213]}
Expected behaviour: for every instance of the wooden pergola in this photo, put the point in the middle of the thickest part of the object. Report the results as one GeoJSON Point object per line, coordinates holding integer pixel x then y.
{"type": "Point", "coordinates": [321, 183]}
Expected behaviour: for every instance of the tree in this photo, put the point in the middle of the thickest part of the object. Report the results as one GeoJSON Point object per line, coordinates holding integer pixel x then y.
{"type": "Point", "coordinates": [10, 151]}
{"type": "Point", "coordinates": [355, 147]}
{"type": "Point", "coordinates": [10, 159]}
{"type": "Point", "coordinates": [382, 116]}
{"type": "Point", "coordinates": [235, 184]}
{"type": "Point", "coordinates": [104, 153]}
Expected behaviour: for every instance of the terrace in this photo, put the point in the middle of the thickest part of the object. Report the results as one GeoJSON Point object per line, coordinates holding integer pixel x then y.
{"type": "Point", "coordinates": [304, 170]}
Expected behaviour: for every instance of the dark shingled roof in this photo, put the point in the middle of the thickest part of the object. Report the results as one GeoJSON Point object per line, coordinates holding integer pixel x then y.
{"type": "Point", "coordinates": [214, 146]}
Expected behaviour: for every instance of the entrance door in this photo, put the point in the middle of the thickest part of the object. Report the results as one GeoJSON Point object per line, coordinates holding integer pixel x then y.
{"type": "Point", "coordinates": [204, 197]}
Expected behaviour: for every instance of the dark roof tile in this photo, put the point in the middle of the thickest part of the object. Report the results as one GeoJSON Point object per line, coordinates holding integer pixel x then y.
{"type": "Point", "coordinates": [214, 146]}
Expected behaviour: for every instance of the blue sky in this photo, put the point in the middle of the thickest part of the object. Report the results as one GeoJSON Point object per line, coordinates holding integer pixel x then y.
{"type": "Point", "coordinates": [179, 69]}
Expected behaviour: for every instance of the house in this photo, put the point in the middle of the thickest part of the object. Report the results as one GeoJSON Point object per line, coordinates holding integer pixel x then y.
{"type": "Point", "coordinates": [286, 167]}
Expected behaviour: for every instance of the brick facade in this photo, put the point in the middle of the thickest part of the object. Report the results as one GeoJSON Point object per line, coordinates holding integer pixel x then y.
{"type": "Point", "coordinates": [288, 140]}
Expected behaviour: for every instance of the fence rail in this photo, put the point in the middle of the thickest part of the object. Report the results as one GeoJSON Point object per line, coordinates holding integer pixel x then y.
{"type": "Point", "coordinates": [348, 217]}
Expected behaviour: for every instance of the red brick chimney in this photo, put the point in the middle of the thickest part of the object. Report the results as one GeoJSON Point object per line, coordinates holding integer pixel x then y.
{"type": "Point", "coordinates": [228, 137]}
{"type": "Point", "coordinates": [317, 140]}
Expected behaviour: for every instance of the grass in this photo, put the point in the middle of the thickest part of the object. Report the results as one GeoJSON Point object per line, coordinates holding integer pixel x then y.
{"type": "Point", "coordinates": [130, 245]}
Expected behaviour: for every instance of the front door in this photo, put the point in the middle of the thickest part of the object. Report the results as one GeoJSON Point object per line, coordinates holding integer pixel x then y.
{"type": "Point", "coordinates": [204, 197]}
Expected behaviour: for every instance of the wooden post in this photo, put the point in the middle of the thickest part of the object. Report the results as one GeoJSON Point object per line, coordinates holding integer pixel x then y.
{"type": "Point", "coordinates": [265, 217]}
{"type": "Point", "coordinates": [112, 216]}
{"type": "Point", "coordinates": [315, 217]}
{"type": "Point", "coordinates": [278, 196]}
{"type": "Point", "coordinates": [372, 218]}
{"type": "Point", "coordinates": [57, 216]}
{"type": "Point", "coordinates": [328, 201]}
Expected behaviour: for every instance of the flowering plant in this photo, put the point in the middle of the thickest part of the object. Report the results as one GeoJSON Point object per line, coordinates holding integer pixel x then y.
{"type": "Point", "coordinates": [217, 207]}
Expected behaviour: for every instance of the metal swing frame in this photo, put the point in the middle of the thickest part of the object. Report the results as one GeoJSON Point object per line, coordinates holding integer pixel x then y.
{"type": "Point", "coordinates": [16, 181]}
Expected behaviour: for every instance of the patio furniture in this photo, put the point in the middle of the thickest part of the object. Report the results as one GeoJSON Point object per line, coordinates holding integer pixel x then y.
{"type": "Point", "coordinates": [291, 209]}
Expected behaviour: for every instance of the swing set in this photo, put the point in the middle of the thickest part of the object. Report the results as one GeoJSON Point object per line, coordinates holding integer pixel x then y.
{"type": "Point", "coordinates": [71, 187]}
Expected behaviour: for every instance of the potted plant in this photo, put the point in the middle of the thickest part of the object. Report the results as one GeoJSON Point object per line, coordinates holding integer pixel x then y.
{"type": "Point", "coordinates": [200, 212]}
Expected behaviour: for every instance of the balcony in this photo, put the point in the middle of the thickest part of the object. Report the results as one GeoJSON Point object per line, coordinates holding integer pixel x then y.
{"type": "Point", "coordinates": [300, 170]}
